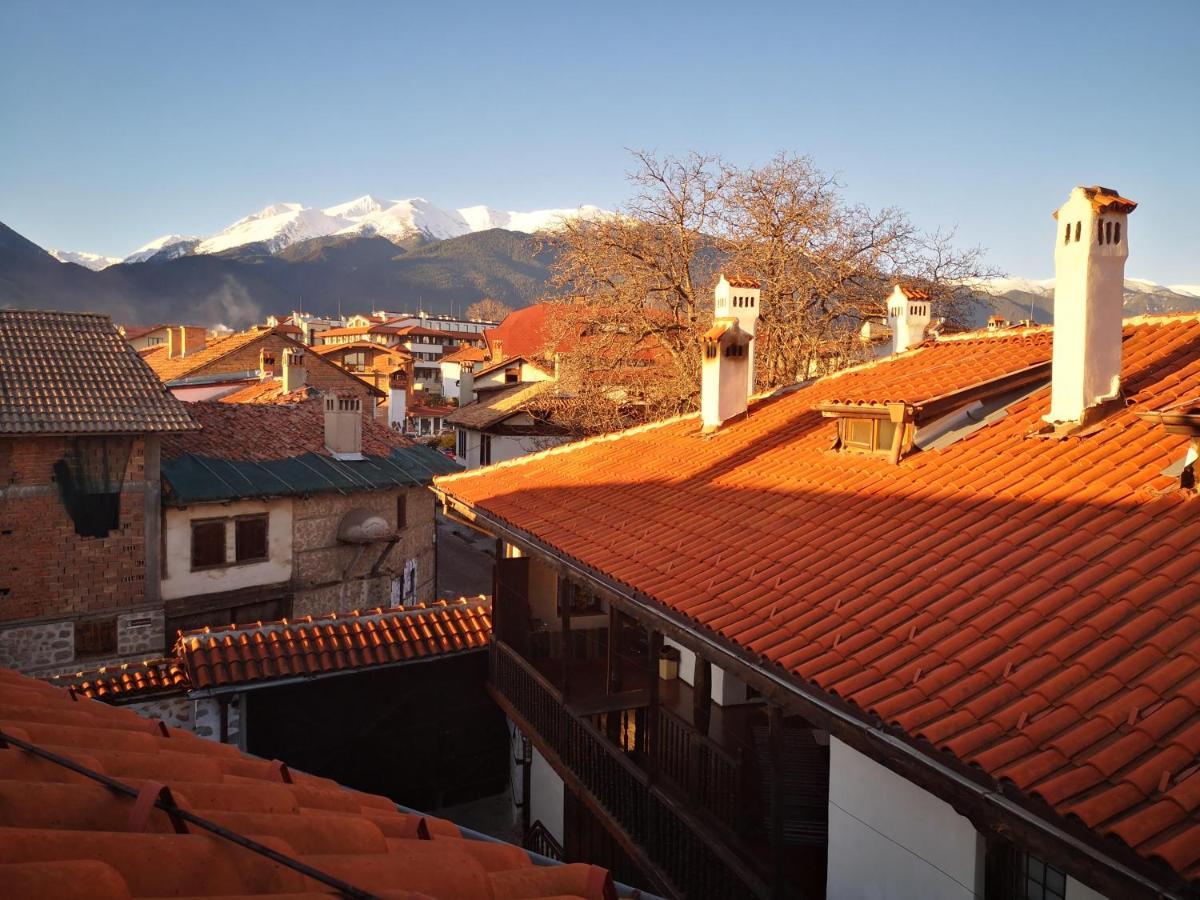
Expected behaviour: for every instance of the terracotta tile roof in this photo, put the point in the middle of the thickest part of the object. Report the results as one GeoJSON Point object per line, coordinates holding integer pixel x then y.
{"type": "Point", "coordinates": [133, 332]}
{"type": "Point", "coordinates": [418, 410]}
{"type": "Point", "coordinates": [73, 373]}
{"type": "Point", "coordinates": [63, 834]}
{"type": "Point", "coordinates": [240, 654]}
{"type": "Point", "coordinates": [511, 361]}
{"type": "Point", "coordinates": [250, 431]}
{"type": "Point", "coordinates": [326, 349]}
{"type": "Point", "coordinates": [421, 330]}
{"type": "Point", "coordinates": [270, 390]}
{"type": "Point", "coordinates": [1104, 199]}
{"type": "Point", "coordinates": [288, 328]}
{"type": "Point", "coordinates": [466, 354]}
{"type": "Point", "coordinates": [913, 293]}
{"type": "Point", "coordinates": [1030, 606]}
{"type": "Point", "coordinates": [524, 332]}
{"type": "Point", "coordinates": [494, 407]}
{"type": "Point", "coordinates": [128, 681]}
{"type": "Point", "coordinates": [742, 281]}
{"type": "Point", "coordinates": [172, 368]}
{"type": "Point", "coordinates": [939, 368]}
{"type": "Point", "coordinates": [350, 331]}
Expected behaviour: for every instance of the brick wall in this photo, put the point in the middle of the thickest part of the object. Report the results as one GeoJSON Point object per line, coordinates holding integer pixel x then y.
{"type": "Point", "coordinates": [46, 569]}
{"type": "Point", "coordinates": [331, 577]}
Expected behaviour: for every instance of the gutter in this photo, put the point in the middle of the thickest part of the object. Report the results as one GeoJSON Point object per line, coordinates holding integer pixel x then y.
{"type": "Point", "coordinates": [982, 793]}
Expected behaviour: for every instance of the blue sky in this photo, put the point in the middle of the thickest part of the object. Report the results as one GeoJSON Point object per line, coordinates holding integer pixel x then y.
{"type": "Point", "coordinates": [123, 121]}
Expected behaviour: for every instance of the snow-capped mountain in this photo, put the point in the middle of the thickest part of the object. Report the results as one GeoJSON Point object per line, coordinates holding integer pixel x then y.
{"type": "Point", "coordinates": [1019, 298]}
{"type": "Point", "coordinates": [93, 261]}
{"type": "Point", "coordinates": [169, 246]}
{"type": "Point", "coordinates": [282, 224]}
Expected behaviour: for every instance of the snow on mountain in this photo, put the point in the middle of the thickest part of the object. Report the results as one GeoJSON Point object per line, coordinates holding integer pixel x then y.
{"type": "Point", "coordinates": [277, 226]}
{"type": "Point", "coordinates": [93, 261]}
{"type": "Point", "coordinates": [169, 246]}
{"type": "Point", "coordinates": [281, 224]}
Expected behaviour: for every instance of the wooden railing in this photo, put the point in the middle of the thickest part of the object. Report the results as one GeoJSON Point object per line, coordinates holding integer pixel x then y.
{"type": "Point", "coordinates": [696, 861]}
{"type": "Point", "coordinates": [539, 840]}
{"type": "Point", "coordinates": [710, 775]}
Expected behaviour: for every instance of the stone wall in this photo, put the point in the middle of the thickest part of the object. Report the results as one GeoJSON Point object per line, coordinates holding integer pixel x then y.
{"type": "Point", "coordinates": [334, 577]}
{"type": "Point", "coordinates": [48, 648]}
{"type": "Point", "coordinates": [201, 717]}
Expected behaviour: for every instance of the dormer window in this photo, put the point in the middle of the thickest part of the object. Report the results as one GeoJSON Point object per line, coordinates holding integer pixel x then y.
{"type": "Point", "coordinates": [866, 434]}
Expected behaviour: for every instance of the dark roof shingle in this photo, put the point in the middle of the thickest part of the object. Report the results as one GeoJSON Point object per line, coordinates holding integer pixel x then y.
{"type": "Point", "coordinates": [73, 373]}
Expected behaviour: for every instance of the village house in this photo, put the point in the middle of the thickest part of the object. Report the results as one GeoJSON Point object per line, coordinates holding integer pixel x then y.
{"type": "Point", "coordinates": [923, 628]}
{"type": "Point", "coordinates": [388, 369]}
{"type": "Point", "coordinates": [290, 505]}
{"type": "Point", "coordinates": [451, 365]}
{"type": "Point", "coordinates": [148, 337]}
{"type": "Point", "coordinates": [211, 369]}
{"type": "Point", "coordinates": [498, 417]}
{"type": "Point", "coordinates": [98, 801]}
{"type": "Point", "coordinates": [81, 424]}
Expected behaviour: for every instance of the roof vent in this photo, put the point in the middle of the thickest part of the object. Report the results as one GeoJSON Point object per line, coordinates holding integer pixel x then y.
{"type": "Point", "coordinates": [343, 426]}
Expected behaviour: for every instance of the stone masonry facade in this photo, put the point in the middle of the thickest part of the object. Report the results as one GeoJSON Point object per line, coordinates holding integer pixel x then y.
{"type": "Point", "coordinates": [335, 577]}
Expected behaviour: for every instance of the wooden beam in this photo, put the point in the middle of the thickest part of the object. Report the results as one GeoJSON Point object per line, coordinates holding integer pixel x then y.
{"type": "Point", "coordinates": [775, 743]}
{"type": "Point", "coordinates": [653, 735]}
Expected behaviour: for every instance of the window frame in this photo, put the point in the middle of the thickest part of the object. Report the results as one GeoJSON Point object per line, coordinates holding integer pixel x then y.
{"type": "Point", "coordinates": [265, 518]}
{"type": "Point", "coordinates": [106, 645]}
{"type": "Point", "coordinates": [209, 521]}
{"type": "Point", "coordinates": [875, 448]}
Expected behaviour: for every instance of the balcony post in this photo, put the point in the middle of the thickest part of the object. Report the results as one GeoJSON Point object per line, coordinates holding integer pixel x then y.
{"type": "Point", "coordinates": [775, 741]}
{"type": "Point", "coordinates": [566, 595]}
{"type": "Point", "coordinates": [652, 723]}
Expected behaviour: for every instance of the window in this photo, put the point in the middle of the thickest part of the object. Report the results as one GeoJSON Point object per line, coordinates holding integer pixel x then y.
{"type": "Point", "coordinates": [208, 543]}
{"type": "Point", "coordinates": [462, 443]}
{"type": "Point", "coordinates": [867, 435]}
{"type": "Point", "coordinates": [512, 376]}
{"type": "Point", "coordinates": [355, 360]}
{"type": "Point", "coordinates": [402, 512]}
{"type": "Point", "coordinates": [250, 538]}
{"type": "Point", "coordinates": [485, 449]}
{"type": "Point", "coordinates": [96, 638]}
{"type": "Point", "coordinates": [1041, 881]}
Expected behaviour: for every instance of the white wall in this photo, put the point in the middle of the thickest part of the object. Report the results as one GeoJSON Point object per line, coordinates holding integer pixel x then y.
{"type": "Point", "coordinates": [545, 796]}
{"type": "Point", "coordinates": [504, 447]}
{"type": "Point", "coordinates": [891, 840]}
{"type": "Point", "coordinates": [180, 581]}
{"type": "Point", "coordinates": [1077, 890]}
{"type": "Point", "coordinates": [727, 689]}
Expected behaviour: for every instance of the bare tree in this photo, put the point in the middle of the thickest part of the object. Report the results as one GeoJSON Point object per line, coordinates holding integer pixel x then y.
{"type": "Point", "coordinates": [488, 310]}
{"type": "Point", "coordinates": [638, 284]}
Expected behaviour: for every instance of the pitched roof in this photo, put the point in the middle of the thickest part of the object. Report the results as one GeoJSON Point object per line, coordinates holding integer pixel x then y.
{"type": "Point", "coordinates": [271, 450]}
{"type": "Point", "coordinates": [327, 349]}
{"type": "Point", "coordinates": [742, 281]}
{"type": "Point", "coordinates": [73, 373]}
{"type": "Point", "coordinates": [494, 407]}
{"type": "Point", "coordinates": [466, 354]}
{"type": "Point", "coordinates": [270, 390]}
{"type": "Point", "coordinates": [1028, 606]}
{"type": "Point", "coordinates": [524, 332]}
{"type": "Point", "coordinates": [139, 680]}
{"type": "Point", "coordinates": [912, 293]}
{"type": "Point", "coordinates": [240, 654]}
{"type": "Point", "coordinates": [173, 368]}
{"type": "Point", "coordinates": [63, 833]}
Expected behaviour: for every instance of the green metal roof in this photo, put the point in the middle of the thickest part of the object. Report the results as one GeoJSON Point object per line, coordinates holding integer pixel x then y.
{"type": "Point", "coordinates": [198, 479]}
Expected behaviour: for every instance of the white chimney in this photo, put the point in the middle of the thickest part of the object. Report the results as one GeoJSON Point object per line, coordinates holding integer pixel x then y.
{"type": "Point", "coordinates": [1090, 248]}
{"type": "Point", "coordinates": [343, 426]}
{"type": "Point", "coordinates": [908, 317]}
{"type": "Point", "coordinates": [739, 297]}
{"type": "Point", "coordinates": [724, 373]}
{"type": "Point", "coordinates": [295, 374]}
{"type": "Point", "coordinates": [268, 364]}
{"type": "Point", "coordinates": [466, 383]}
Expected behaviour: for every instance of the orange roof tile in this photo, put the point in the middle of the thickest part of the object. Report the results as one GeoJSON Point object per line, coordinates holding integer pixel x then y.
{"type": "Point", "coordinates": [466, 354]}
{"type": "Point", "coordinates": [128, 680]}
{"type": "Point", "coordinates": [239, 654]}
{"type": "Point", "coordinates": [1030, 605]}
{"type": "Point", "coordinates": [913, 293]}
{"type": "Point", "coordinates": [742, 281]}
{"type": "Point", "coordinates": [524, 332]}
{"type": "Point", "coordinates": [269, 390]}
{"type": "Point", "coordinates": [65, 834]}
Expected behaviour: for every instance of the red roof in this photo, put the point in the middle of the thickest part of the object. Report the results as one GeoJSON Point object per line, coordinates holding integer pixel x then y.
{"type": "Point", "coordinates": [1030, 606]}
{"type": "Point", "coordinates": [524, 332]}
{"type": "Point", "coordinates": [64, 834]}
{"type": "Point", "coordinates": [239, 654]}
{"type": "Point", "coordinates": [253, 431]}
{"type": "Point", "coordinates": [142, 679]}
{"type": "Point", "coordinates": [269, 390]}
{"type": "Point", "coordinates": [466, 354]}
{"type": "Point", "coordinates": [913, 293]}
{"type": "Point", "coordinates": [742, 281]}
{"type": "Point", "coordinates": [418, 410]}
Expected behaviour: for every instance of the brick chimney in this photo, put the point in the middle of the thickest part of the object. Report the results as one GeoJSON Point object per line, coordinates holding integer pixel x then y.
{"type": "Point", "coordinates": [343, 426]}
{"type": "Point", "coordinates": [295, 374]}
{"type": "Point", "coordinates": [192, 339]}
{"type": "Point", "coordinates": [1090, 248]}
{"type": "Point", "coordinates": [908, 317]}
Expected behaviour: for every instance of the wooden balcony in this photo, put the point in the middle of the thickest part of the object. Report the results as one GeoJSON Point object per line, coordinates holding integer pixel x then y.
{"type": "Point", "coordinates": [676, 798]}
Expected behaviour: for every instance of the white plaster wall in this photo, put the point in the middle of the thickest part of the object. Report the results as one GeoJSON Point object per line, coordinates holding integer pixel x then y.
{"type": "Point", "coordinates": [546, 796]}
{"type": "Point", "coordinates": [687, 661]}
{"type": "Point", "coordinates": [450, 375]}
{"type": "Point", "coordinates": [504, 447]}
{"type": "Point", "coordinates": [1077, 890]}
{"type": "Point", "coordinates": [180, 581]}
{"type": "Point", "coordinates": [891, 840]}
{"type": "Point", "coordinates": [727, 689]}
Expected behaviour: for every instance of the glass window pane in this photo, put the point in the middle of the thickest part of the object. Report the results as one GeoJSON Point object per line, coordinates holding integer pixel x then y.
{"type": "Point", "coordinates": [885, 435]}
{"type": "Point", "coordinates": [858, 433]}
{"type": "Point", "coordinates": [208, 544]}
{"type": "Point", "coordinates": [1056, 881]}
{"type": "Point", "coordinates": [251, 538]}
